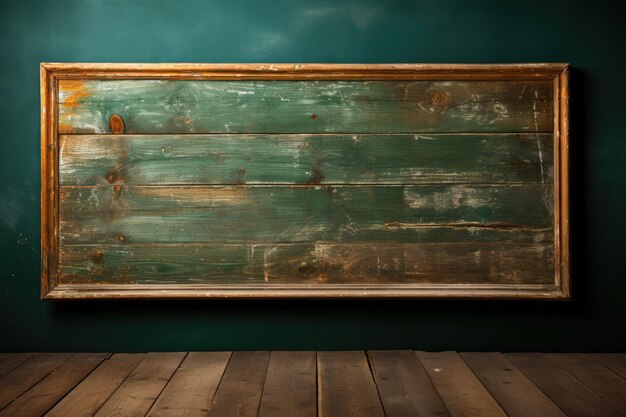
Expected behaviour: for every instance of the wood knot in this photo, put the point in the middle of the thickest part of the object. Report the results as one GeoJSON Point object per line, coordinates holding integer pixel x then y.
{"type": "Point", "coordinates": [307, 270]}
{"type": "Point", "coordinates": [116, 124]}
{"type": "Point", "coordinates": [439, 100]}
{"type": "Point", "coordinates": [114, 176]}
{"type": "Point", "coordinates": [122, 237]}
{"type": "Point", "coordinates": [97, 257]}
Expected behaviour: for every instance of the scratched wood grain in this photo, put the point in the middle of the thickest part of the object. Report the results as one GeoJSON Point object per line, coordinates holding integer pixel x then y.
{"type": "Point", "coordinates": [176, 106]}
{"type": "Point", "coordinates": [107, 214]}
{"type": "Point", "coordinates": [306, 182]}
{"type": "Point", "coordinates": [301, 159]}
{"type": "Point", "coordinates": [315, 263]}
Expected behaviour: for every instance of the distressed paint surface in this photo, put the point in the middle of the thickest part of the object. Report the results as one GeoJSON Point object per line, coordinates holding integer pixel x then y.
{"type": "Point", "coordinates": [310, 264]}
{"type": "Point", "coordinates": [301, 159]}
{"type": "Point", "coordinates": [306, 182]}
{"type": "Point", "coordinates": [293, 214]}
{"type": "Point", "coordinates": [175, 106]}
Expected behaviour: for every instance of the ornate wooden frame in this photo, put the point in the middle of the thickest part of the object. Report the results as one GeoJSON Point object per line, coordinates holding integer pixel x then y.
{"type": "Point", "coordinates": [51, 73]}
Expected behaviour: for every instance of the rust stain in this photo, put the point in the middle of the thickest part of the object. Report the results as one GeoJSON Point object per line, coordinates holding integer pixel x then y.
{"type": "Point", "coordinates": [75, 92]}
{"type": "Point", "coordinates": [329, 190]}
{"type": "Point", "coordinates": [97, 257]}
{"type": "Point", "coordinates": [65, 128]}
{"type": "Point", "coordinates": [114, 176]}
{"type": "Point", "coordinates": [521, 137]}
{"type": "Point", "coordinates": [316, 175]}
{"type": "Point", "coordinates": [117, 190]}
{"type": "Point", "coordinates": [314, 116]}
{"type": "Point", "coordinates": [122, 237]}
{"type": "Point", "coordinates": [440, 100]}
{"type": "Point", "coordinates": [241, 173]}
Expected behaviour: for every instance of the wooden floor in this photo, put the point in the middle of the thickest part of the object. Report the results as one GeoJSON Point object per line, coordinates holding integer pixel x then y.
{"type": "Point", "coordinates": [307, 384]}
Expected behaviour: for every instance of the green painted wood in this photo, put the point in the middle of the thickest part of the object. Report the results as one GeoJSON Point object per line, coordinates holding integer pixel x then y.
{"type": "Point", "coordinates": [162, 106]}
{"type": "Point", "coordinates": [306, 182]}
{"type": "Point", "coordinates": [320, 263]}
{"type": "Point", "coordinates": [301, 159]}
{"type": "Point", "coordinates": [107, 214]}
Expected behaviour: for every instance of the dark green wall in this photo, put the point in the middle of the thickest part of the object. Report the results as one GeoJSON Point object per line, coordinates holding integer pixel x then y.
{"type": "Point", "coordinates": [299, 31]}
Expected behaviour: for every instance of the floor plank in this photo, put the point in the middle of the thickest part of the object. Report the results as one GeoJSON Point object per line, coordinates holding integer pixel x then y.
{"type": "Point", "coordinates": [404, 386]}
{"type": "Point", "coordinates": [346, 386]}
{"type": "Point", "coordinates": [20, 379]}
{"type": "Point", "coordinates": [290, 386]}
{"type": "Point", "coordinates": [616, 362]}
{"type": "Point", "coordinates": [143, 386]}
{"type": "Point", "coordinates": [89, 395]}
{"type": "Point", "coordinates": [240, 390]}
{"type": "Point", "coordinates": [461, 391]}
{"type": "Point", "coordinates": [43, 396]}
{"type": "Point", "coordinates": [10, 361]}
{"type": "Point", "coordinates": [605, 383]}
{"type": "Point", "coordinates": [191, 389]}
{"type": "Point", "coordinates": [349, 383]}
{"type": "Point", "coordinates": [569, 394]}
{"type": "Point", "coordinates": [515, 393]}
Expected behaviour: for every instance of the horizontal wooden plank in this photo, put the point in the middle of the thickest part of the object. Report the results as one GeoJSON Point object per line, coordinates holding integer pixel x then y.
{"type": "Point", "coordinates": [305, 159]}
{"type": "Point", "coordinates": [262, 106]}
{"type": "Point", "coordinates": [320, 263]}
{"type": "Point", "coordinates": [109, 214]}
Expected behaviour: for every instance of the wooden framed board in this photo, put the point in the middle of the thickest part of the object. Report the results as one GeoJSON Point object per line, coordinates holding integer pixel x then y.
{"type": "Point", "coordinates": [313, 180]}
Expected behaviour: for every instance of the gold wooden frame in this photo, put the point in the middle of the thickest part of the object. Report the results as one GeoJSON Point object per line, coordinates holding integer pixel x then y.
{"type": "Point", "coordinates": [52, 72]}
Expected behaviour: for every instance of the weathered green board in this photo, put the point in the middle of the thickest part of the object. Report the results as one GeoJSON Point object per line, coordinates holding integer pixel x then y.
{"type": "Point", "coordinates": [357, 186]}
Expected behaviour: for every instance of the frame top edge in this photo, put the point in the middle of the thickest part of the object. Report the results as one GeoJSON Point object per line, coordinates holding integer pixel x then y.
{"type": "Point", "coordinates": [301, 67]}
